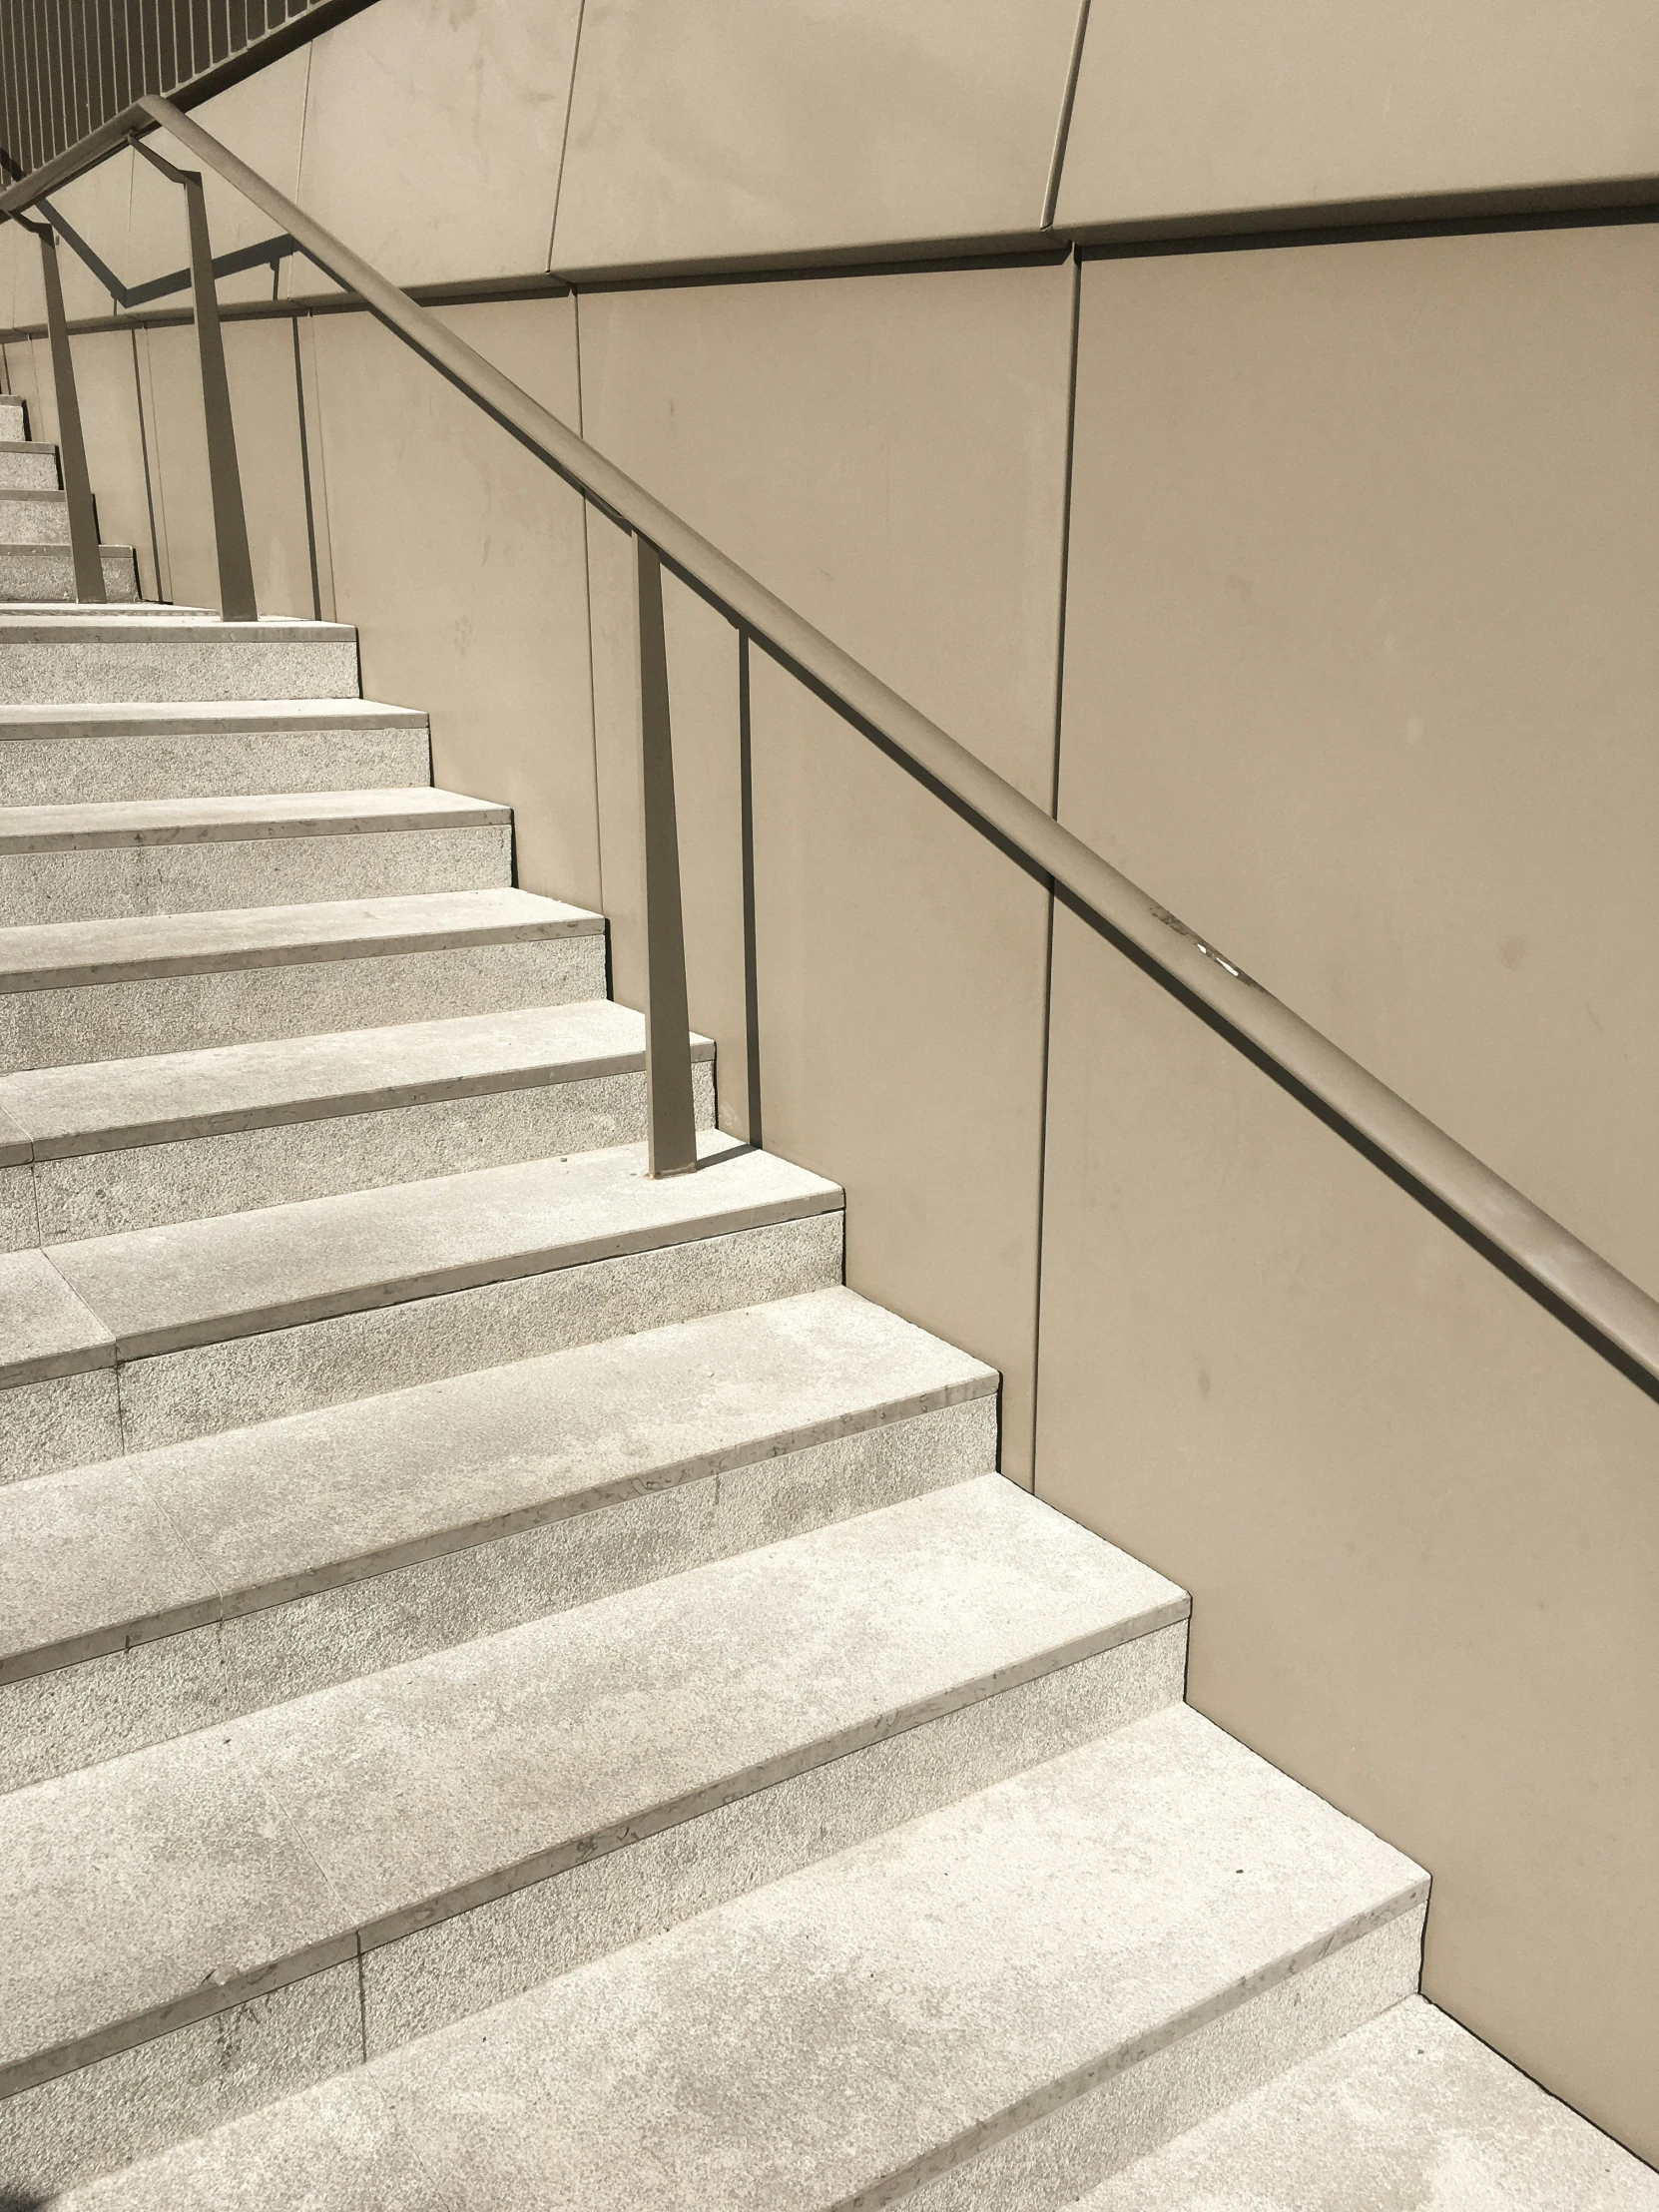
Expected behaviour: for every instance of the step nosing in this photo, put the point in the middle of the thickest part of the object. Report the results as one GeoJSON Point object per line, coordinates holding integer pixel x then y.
{"type": "Point", "coordinates": [238, 1600]}
{"type": "Point", "coordinates": [255, 937]}
{"type": "Point", "coordinates": [256, 829]}
{"type": "Point", "coordinates": [360, 1933]}
{"type": "Point", "coordinates": [1130, 2051]}
{"type": "Point", "coordinates": [202, 2002]}
{"type": "Point", "coordinates": [441, 1279]}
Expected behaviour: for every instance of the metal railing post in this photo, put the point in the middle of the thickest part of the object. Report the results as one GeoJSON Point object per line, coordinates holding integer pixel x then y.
{"type": "Point", "coordinates": [670, 1114]}
{"type": "Point", "coordinates": [71, 449]}
{"type": "Point", "coordinates": [237, 602]}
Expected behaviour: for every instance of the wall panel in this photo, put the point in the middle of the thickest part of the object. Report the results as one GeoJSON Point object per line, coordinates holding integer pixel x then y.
{"type": "Point", "coordinates": [263, 120]}
{"type": "Point", "coordinates": [1363, 678]}
{"type": "Point", "coordinates": [888, 453]}
{"type": "Point", "coordinates": [1418, 1519]}
{"type": "Point", "coordinates": [258, 359]}
{"type": "Point", "coordinates": [713, 128]}
{"type": "Point", "coordinates": [460, 559]}
{"type": "Point", "coordinates": [433, 130]}
{"type": "Point", "coordinates": [1185, 109]}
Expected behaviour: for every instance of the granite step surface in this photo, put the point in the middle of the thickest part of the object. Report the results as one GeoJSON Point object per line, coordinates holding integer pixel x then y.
{"type": "Point", "coordinates": [91, 656]}
{"type": "Point", "coordinates": [28, 465]}
{"type": "Point", "coordinates": [578, 1782]}
{"type": "Point", "coordinates": [114, 989]}
{"type": "Point", "coordinates": [191, 855]}
{"type": "Point", "coordinates": [1042, 1979]}
{"type": "Point", "coordinates": [54, 756]}
{"type": "Point", "coordinates": [243, 1318]}
{"type": "Point", "coordinates": [33, 516]}
{"type": "Point", "coordinates": [1410, 2113]}
{"type": "Point", "coordinates": [129, 1143]}
{"type": "Point", "coordinates": [14, 416]}
{"type": "Point", "coordinates": [34, 576]}
{"type": "Point", "coordinates": [164, 1592]}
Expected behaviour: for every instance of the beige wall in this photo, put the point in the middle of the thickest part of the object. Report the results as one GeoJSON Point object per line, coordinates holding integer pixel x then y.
{"type": "Point", "coordinates": [887, 452]}
{"type": "Point", "coordinates": [707, 130]}
{"type": "Point", "coordinates": [1364, 680]}
{"type": "Point", "coordinates": [461, 561]}
{"type": "Point", "coordinates": [1187, 109]}
{"type": "Point", "coordinates": [1361, 681]}
{"type": "Point", "coordinates": [1419, 1521]}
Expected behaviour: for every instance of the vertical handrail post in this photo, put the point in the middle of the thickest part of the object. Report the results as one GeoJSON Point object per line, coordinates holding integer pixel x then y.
{"type": "Point", "coordinates": [236, 568]}
{"type": "Point", "coordinates": [670, 1117]}
{"type": "Point", "coordinates": [72, 448]}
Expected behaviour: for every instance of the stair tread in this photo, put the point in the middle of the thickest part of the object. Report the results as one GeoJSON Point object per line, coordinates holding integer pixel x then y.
{"type": "Point", "coordinates": [234, 1275]}
{"type": "Point", "coordinates": [131, 718]}
{"type": "Point", "coordinates": [161, 1542]}
{"type": "Point", "coordinates": [166, 1097]}
{"type": "Point", "coordinates": [1405, 2114]}
{"type": "Point", "coordinates": [26, 446]}
{"type": "Point", "coordinates": [44, 1329]}
{"type": "Point", "coordinates": [66, 955]}
{"type": "Point", "coordinates": [376, 1806]}
{"type": "Point", "coordinates": [129, 821]}
{"type": "Point", "coordinates": [852, 2023]}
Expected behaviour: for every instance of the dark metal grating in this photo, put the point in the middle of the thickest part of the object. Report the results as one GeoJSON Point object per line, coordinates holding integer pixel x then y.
{"type": "Point", "coordinates": [67, 66]}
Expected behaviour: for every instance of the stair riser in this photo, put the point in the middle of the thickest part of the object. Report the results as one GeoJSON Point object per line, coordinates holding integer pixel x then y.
{"type": "Point", "coordinates": [51, 1724]}
{"type": "Point", "coordinates": [14, 419]}
{"type": "Point", "coordinates": [19, 1220]}
{"type": "Point", "coordinates": [101, 1193]}
{"type": "Point", "coordinates": [210, 1388]}
{"type": "Point", "coordinates": [1047, 2164]}
{"type": "Point", "coordinates": [60, 771]}
{"type": "Point", "coordinates": [75, 1420]}
{"type": "Point", "coordinates": [89, 672]}
{"type": "Point", "coordinates": [112, 880]}
{"type": "Point", "coordinates": [244, 1005]}
{"type": "Point", "coordinates": [38, 574]}
{"type": "Point", "coordinates": [33, 518]}
{"type": "Point", "coordinates": [28, 471]}
{"type": "Point", "coordinates": [70, 1421]}
{"type": "Point", "coordinates": [173, 2086]}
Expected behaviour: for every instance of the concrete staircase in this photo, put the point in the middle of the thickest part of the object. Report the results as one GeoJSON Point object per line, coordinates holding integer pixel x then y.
{"type": "Point", "coordinates": [517, 1688]}
{"type": "Point", "coordinates": [35, 560]}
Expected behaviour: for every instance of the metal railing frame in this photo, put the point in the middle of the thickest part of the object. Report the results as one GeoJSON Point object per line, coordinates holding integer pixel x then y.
{"type": "Point", "coordinates": [1603, 1307]}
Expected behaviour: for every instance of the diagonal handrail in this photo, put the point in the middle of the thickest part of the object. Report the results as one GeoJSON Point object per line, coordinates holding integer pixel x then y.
{"type": "Point", "coordinates": [1614, 1316]}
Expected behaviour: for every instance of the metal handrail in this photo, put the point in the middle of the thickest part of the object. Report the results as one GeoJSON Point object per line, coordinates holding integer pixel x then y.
{"type": "Point", "coordinates": [1605, 1309]}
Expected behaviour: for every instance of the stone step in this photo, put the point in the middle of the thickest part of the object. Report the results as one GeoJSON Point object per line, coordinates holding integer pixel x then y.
{"type": "Point", "coordinates": [34, 576]}
{"type": "Point", "coordinates": [27, 465]}
{"type": "Point", "coordinates": [168, 1591]}
{"type": "Point", "coordinates": [89, 656]}
{"type": "Point", "coordinates": [246, 1317]}
{"type": "Point", "coordinates": [54, 756]}
{"type": "Point", "coordinates": [148, 857]}
{"type": "Point", "coordinates": [1065, 1968]}
{"type": "Point", "coordinates": [1409, 2113]}
{"type": "Point", "coordinates": [33, 517]}
{"type": "Point", "coordinates": [110, 990]}
{"type": "Point", "coordinates": [130, 1144]}
{"type": "Point", "coordinates": [395, 1852]}
{"type": "Point", "coordinates": [14, 416]}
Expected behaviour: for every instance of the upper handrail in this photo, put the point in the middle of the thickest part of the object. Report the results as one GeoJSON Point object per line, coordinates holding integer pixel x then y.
{"type": "Point", "coordinates": [1604, 1308]}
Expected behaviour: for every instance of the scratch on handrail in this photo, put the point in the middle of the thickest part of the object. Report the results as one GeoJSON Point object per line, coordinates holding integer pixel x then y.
{"type": "Point", "coordinates": [1173, 922]}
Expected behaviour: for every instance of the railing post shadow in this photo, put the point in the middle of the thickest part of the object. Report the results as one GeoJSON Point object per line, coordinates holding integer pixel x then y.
{"type": "Point", "coordinates": [237, 602]}
{"type": "Point", "coordinates": [670, 1113]}
{"type": "Point", "coordinates": [71, 449]}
